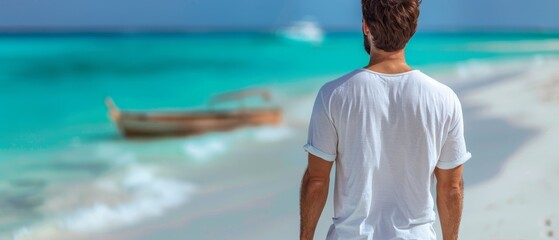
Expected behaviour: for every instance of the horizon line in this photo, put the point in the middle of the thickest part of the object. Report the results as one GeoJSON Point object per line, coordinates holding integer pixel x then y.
{"type": "Point", "coordinates": [185, 30]}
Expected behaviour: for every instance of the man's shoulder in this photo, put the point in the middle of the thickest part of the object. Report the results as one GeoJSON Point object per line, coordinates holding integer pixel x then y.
{"type": "Point", "coordinates": [435, 86]}
{"type": "Point", "coordinates": [333, 85]}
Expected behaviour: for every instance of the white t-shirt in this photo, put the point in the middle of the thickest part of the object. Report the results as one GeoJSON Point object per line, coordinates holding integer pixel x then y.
{"type": "Point", "coordinates": [386, 134]}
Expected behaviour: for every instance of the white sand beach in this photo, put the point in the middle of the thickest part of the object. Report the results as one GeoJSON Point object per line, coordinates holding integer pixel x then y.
{"type": "Point", "coordinates": [520, 201]}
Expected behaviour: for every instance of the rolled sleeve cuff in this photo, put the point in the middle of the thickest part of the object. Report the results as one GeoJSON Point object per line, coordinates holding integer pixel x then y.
{"type": "Point", "coordinates": [455, 163]}
{"type": "Point", "coordinates": [317, 152]}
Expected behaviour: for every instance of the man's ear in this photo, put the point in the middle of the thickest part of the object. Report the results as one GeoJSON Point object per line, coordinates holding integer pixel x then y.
{"type": "Point", "coordinates": [365, 28]}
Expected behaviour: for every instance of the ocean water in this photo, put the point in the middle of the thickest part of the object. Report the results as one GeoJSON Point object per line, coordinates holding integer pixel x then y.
{"type": "Point", "coordinates": [66, 172]}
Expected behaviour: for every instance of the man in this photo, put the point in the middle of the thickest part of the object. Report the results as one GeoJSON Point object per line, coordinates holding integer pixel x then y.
{"type": "Point", "coordinates": [389, 129]}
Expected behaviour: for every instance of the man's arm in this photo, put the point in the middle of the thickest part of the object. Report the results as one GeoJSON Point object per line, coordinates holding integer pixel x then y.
{"type": "Point", "coordinates": [314, 192]}
{"type": "Point", "coordinates": [450, 192]}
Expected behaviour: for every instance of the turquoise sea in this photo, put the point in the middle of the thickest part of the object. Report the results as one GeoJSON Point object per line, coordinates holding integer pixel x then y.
{"type": "Point", "coordinates": [65, 171]}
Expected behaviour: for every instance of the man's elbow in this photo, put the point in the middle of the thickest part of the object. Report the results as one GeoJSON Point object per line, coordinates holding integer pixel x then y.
{"type": "Point", "coordinates": [317, 182]}
{"type": "Point", "coordinates": [451, 190]}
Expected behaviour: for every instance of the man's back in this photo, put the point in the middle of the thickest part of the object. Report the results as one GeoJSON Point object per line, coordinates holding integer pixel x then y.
{"type": "Point", "coordinates": [389, 129]}
{"type": "Point", "coordinates": [387, 133]}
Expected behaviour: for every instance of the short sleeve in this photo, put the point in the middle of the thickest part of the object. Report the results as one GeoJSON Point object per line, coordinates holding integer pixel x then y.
{"type": "Point", "coordinates": [322, 138]}
{"type": "Point", "coordinates": [454, 152]}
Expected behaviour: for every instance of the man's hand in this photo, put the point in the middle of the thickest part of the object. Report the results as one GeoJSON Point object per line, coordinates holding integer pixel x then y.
{"type": "Point", "coordinates": [314, 192]}
{"type": "Point", "coordinates": [450, 192]}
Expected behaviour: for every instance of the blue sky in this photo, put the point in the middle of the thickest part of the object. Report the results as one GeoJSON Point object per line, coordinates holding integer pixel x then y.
{"type": "Point", "coordinates": [265, 14]}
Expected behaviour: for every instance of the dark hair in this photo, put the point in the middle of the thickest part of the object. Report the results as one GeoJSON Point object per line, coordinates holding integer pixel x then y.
{"type": "Point", "coordinates": [392, 22]}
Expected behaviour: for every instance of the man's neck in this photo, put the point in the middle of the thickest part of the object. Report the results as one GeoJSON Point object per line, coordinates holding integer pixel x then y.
{"type": "Point", "coordinates": [388, 62]}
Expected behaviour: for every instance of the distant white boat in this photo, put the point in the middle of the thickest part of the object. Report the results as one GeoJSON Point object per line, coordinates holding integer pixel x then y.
{"type": "Point", "coordinates": [305, 31]}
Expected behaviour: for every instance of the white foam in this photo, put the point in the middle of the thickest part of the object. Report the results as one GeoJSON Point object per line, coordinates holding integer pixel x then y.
{"type": "Point", "coordinates": [147, 195]}
{"type": "Point", "coordinates": [116, 156]}
{"type": "Point", "coordinates": [151, 196]}
{"type": "Point", "coordinates": [204, 148]}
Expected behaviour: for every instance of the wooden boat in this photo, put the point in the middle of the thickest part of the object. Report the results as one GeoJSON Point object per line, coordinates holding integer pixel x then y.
{"type": "Point", "coordinates": [177, 123]}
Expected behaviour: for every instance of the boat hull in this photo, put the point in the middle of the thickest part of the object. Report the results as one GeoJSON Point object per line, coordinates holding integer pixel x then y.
{"type": "Point", "coordinates": [183, 124]}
